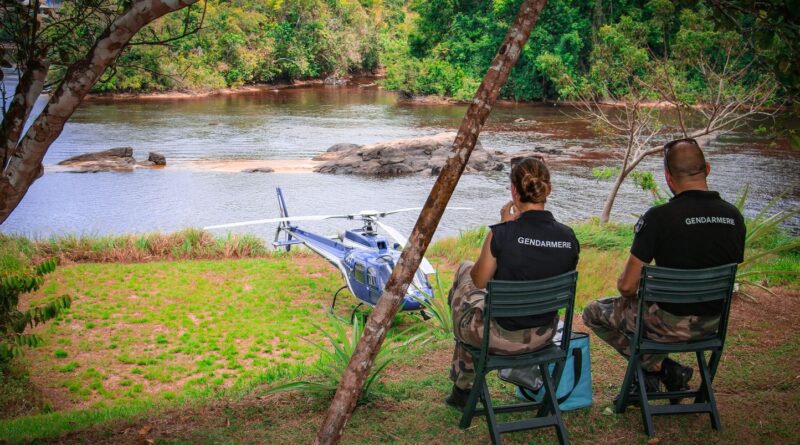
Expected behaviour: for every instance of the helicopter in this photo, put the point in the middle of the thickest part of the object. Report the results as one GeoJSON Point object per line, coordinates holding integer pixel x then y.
{"type": "Point", "coordinates": [365, 257]}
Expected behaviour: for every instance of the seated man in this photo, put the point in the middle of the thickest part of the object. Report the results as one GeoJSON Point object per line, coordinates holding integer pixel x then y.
{"type": "Point", "coordinates": [694, 230]}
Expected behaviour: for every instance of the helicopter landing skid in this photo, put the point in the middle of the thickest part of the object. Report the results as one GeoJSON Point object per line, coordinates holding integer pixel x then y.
{"type": "Point", "coordinates": [333, 303]}
{"type": "Point", "coordinates": [425, 316]}
{"type": "Point", "coordinates": [353, 315]}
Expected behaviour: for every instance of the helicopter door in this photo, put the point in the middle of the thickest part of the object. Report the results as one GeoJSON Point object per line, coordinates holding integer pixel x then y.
{"type": "Point", "coordinates": [372, 281]}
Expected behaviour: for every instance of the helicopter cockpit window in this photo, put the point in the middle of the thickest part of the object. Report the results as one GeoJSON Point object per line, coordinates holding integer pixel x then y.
{"type": "Point", "coordinates": [372, 281]}
{"type": "Point", "coordinates": [359, 273]}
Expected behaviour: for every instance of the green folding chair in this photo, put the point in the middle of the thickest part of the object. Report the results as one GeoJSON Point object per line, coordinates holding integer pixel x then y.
{"type": "Point", "coordinates": [514, 299]}
{"type": "Point", "coordinates": [664, 285]}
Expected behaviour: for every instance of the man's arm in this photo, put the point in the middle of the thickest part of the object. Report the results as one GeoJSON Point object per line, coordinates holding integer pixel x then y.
{"type": "Point", "coordinates": [486, 266]}
{"type": "Point", "coordinates": [628, 281]}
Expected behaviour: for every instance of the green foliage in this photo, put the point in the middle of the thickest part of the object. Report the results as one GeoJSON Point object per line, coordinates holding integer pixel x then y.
{"type": "Point", "coordinates": [764, 240]}
{"type": "Point", "coordinates": [452, 42]}
{"type": "Point", "coordinates": [603, 236]}
{"type": "Point", "coordinates": [247, 42]}
{"type": "Point", "coordinates": [647, 182]}
{"type": "Point", "coordinates": [605, 173]}
{"type": "Point", "coordinates": [13, 321]}
{"type": "Point", "coordinates": [439, 311]}
{"type": "Point", "coordinates": [335, 358]}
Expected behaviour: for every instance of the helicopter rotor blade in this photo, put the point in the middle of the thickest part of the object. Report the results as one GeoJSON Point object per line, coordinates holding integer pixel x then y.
{"type": "Point", "coordinates": [274, 220]}
{"type": "Point", "coordinates": [425, 265]}
{"type": "Point", "coordinates": [321, 218]}
{"type": "Point", "coordinates": [410, 209]}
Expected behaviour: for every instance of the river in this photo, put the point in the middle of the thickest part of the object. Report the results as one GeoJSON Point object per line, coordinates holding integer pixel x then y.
{"type": "Point", "coordinates": [298, 123]}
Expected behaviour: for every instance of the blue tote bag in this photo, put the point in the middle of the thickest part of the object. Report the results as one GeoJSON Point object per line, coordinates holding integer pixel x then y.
{"type": "Point", "coordinates": [575, 388]}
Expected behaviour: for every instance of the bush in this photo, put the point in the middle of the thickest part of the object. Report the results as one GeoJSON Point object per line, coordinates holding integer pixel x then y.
{"type": "Point", "coordinates": [13, 322]}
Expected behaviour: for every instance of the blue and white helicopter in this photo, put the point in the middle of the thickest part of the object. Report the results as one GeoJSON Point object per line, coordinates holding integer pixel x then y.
{"type": "Point", "coordinates": [363, 256]}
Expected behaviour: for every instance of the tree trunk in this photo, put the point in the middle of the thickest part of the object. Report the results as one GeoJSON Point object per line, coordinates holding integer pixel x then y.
{"type": "Point", "coordinates": [612, 195]}
{"type": "Point", "coordinates": [380, 321]}
{"type": "Point", "coordinates": [25, 165]}
{"type": "Point", "coordinates": [29, 88]}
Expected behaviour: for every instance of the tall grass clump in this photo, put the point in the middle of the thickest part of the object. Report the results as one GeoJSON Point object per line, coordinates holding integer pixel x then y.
{"type": "Point", "coordinates": [603, 236]}
{"type": "Point", "coordinates": [467, 245]}
{"type": "Point", "coordinates": [335, 358]}
{"type": "Point", "coordinates": [766, 240]}
{"type": "Point", "coordinates": [191, 243]}
{"type": "Point", "coordinates": [440, 323]}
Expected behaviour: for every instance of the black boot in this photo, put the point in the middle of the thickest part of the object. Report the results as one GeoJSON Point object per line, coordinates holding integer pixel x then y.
{"type": "Point", "coordinates": [457, 398]}
{"type": "Point", "coordinates": [651, 384]}
{"type": "Point", "coordinates": [675, 376]}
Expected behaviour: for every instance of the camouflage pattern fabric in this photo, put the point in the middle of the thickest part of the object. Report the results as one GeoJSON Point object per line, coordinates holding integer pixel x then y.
{"type": "Point", "coordinates": [612, 318]}
{"type": "Point", "coordinates": [467, 303]}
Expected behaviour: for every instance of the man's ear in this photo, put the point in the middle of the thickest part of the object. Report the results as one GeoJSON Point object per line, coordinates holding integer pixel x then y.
{"type": "Point", "coordinates": [668, 178]}
{"type": "Point", "coordinates": [708, 168]}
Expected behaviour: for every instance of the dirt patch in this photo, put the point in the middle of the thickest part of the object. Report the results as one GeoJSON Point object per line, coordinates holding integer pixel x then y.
{"type": "Point", "coordinates": [288, 418]}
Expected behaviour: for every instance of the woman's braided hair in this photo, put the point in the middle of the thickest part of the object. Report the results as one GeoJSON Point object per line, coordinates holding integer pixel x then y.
{"type": "Point", "coordinates": [531, 178]}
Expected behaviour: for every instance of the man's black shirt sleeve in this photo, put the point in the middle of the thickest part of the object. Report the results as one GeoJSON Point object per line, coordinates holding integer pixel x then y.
{"type": "Point", "coordinates": [645, 237]}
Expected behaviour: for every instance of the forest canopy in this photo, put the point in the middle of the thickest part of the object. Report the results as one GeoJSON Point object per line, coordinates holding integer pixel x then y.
{"type": "Point", "coordinates": [440, 47]}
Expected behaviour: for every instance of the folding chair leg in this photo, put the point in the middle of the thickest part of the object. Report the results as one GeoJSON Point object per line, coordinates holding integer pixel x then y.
{"type": "Point", "coordinates": [707, 391]}
{"type": "Point", "coordinates": [552, 401]}
{"type": "Point", "coordinates": [712, 365]}
{"type": "Point", "coordinates": [472, 400]}
{"type": "Point", "coordinates": [627, 382]}
{"type": "Point", "coordinates": [491, 420]}
{"type": "Point", "coordinates": [647, 417]}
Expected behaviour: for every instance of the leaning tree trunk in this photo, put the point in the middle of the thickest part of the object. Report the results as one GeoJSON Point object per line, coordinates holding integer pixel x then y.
{"type": "Point", "coordinates": [25, 165]}
{"type": "Point", "coordinates": [612, 195]}
{"type": "Point", "coordinates": [380, 321]}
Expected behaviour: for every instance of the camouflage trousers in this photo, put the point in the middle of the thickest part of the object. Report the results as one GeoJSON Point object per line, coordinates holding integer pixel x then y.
{"type": "Point", "coordinates": [612, 318]}
{"type": "Point", "coordinates": [467, 303]}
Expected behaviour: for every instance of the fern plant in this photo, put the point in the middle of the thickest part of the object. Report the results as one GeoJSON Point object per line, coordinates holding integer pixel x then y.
{"type": "Point", "coordinates": [334, 358]}
{"type": "Point", "coordinates": [14, 321]}
{"type": "Point", "coordinates": [438, 311]}
{"type": "Point", "coordinates": [759, 230]}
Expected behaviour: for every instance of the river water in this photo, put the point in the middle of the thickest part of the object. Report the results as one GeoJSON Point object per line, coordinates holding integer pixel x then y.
{"type": "Point", "coordinates": [299, 123]}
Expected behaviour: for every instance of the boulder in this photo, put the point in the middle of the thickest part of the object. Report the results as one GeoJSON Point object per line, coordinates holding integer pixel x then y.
{"type": "Point", "coordinates": [259, 170]}
{"type": "Point", "coordinates": [115, 159]}
{"type": "Point", "coordinates": [400, 157]}
{"type": "Point", "coordinates": [156, 158]}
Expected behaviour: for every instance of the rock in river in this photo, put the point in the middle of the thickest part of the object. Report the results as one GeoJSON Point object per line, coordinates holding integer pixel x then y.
{"type": "Point", "coordinates": [259, 170]}
{"type": "Point", "coordinates": [115, 159]}
{"type": "Point", "coordinates": [402, 156]}
{"type": "Point", "coordinates": [157, 158]}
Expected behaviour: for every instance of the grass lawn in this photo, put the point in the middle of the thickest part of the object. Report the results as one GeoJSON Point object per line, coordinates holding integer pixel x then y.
{"type": "Point", "coordinates": [183, 351]}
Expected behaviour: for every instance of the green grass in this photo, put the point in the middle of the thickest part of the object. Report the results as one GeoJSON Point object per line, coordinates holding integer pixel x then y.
{"type": "Point", "coordinates": [144, 337]}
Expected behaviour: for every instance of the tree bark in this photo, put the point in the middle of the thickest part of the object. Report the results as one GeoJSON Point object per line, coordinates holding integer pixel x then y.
{"type": "Point", "coordinates": [380, 321]}
{"type": "Point", "coordinates": [29, 88]}
{"type": "Point", "coordinates": [25, 165]}
{"type": "Point", "coordinates": [612, 196]}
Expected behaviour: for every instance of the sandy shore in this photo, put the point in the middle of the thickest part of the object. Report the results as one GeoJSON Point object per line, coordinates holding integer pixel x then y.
{"type": "Point", "coordinates": [238, 165]}
{"type": "Point", "coordinates": [227, 166]}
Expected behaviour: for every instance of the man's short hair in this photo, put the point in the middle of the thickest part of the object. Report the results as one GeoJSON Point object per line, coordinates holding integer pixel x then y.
{"type": "Point", "coordinates": [684, 158]}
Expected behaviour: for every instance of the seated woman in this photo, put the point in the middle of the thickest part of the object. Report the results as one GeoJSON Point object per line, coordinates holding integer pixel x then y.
{"type": "Point", "coordinates": [515, 249]}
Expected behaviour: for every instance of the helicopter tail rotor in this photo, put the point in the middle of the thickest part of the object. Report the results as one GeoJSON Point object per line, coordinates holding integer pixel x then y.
{"type": "Point", "coordinates": [283, 224]}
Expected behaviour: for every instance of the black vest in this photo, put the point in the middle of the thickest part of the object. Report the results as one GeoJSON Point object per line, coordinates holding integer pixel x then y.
{"type": "Point", "coordinates": [694, 230]}
{"type": "Point", "coordinates": [533, 247]}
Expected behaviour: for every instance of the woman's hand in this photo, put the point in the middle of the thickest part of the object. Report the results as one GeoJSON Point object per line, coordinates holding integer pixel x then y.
{"type": "Point", "coordinates": [509, 212]}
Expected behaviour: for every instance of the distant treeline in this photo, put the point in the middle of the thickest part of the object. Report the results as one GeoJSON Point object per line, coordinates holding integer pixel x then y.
{"type": "Point", "coordinates": [440, 47]}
